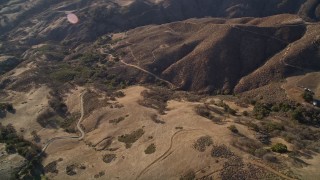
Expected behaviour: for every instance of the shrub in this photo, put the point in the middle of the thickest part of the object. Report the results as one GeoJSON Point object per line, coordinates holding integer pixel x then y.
{"type": "Point", "coordinates": [156, 119]}
{"type": "Point", "coordinates": [245, 113]}
{"type": "Point", "coordinates": [204, 112]}
{"type": "Point", "coordinates": [108, 158]}
{"type": "Point", "coordinates": [233, 129]}
{"type": "Point", "coordinates": [129, 139]}
{"type": "Point", "coordinates": [63, 75]}
{"type": "Point", "coordinates": [150, 149]}
{"type": "Point", "coordinates": [279, 148]}
{"type": "Point", "coordinates": [190, 175]}
{"type": "Point", "coordinates": [261, 110]}
{"type": "Point", "coordinates": [116, 121]}
{"type": "Point", "coordinates": [307, 96]}
{"type": "Point", "coordinates": [221, 151]}
{"type": "Point", "coordinates": [202, 143]}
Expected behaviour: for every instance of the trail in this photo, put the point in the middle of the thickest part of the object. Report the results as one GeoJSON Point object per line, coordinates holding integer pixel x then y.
{"type": "Point", "coordinates": [166, 153]}
{"type": "Point", "coordinates": [78, 127]}
{"type": "Point", "coordinates": [172, 86]}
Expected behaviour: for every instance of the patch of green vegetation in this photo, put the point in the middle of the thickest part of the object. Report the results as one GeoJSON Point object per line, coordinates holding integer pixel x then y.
{"type": "Point", "coordinates": [33, 168]}
{"type": "Point", "coordinates": [63, 75]}
{"type": "Point", "coordinates": [129, 139]}
{"type": "Point", "coordinates": [261, 111]}
{"type": "Point", "coordinates": [156, 98]}
{"type": "Point", "coordinates": [4, 108]}
{"type": "Point", "coordinates": [307, 96]}
{"type": "Point", "coordinates": [202, 143]}
{"type": "Point", "coordinates": [272, 126]}
{"type": "Point", "coordinates": [150, 149]}
{"type": "Point", "coordinates": [279, 148]}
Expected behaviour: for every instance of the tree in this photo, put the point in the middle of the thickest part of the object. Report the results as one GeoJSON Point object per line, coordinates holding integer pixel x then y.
{"type": "Point", "coordinates": [279, 148]}
{"type": "Point", "coordinates": [307, 96]}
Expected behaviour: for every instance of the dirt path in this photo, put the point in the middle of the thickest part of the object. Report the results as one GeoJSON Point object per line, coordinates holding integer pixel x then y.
{"type": "Point", "coordinates": [166, 153]}
{"type": "Point", "coordinates": [172, 86]}
{"type": "Point", "coordinates": [78, 127]}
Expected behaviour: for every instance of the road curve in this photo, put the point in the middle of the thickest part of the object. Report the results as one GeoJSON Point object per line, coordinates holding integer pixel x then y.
{"type": "Point", "coordinates": [165, 153]}
{"type": "Point", "coordinates": [172, 86]}
{"type": "Point", "coordinates": [78, 127]}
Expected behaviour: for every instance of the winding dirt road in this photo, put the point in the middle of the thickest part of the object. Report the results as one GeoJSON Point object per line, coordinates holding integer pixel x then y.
{"type": "Point", "coordinates": [78, 127]}
{"type": "Point", "coordinates": [172, 86]}
{"type": "Point", "coordinates": [166, 153]}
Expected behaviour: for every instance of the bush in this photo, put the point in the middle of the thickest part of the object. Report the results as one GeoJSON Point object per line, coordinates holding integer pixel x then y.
{"type": "Point", "coordinates": [108, 158]}
{"type": "Point", "coordinates": [307, 96]}
{"type": "Point", "coordinates": [190, 175]}
{"type": "Point", "coordinates": [202, 143]}
{"type": "Point", "coordinates": [233, 129]}
{"type": "Point", "coordinates": [245, 113]}
{"type": "Point", "coordinates": [150, 149]}
{"type": "Point", "coordinates": [261, 110]}
{"type": "Point", "coordinates": [204, 112]}
{"type": "Point", "coordinates": [279, 148]}
{"type": "Point", "coordinates": [129, 139]}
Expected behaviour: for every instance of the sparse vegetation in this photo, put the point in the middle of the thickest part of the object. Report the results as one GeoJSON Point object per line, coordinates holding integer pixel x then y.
{"type": "Point", "coordinates": [246, 144]}
{"type": "Point", "coordinates": [279, 148]}
{"type": "Point", "coordinates": [261, 111]}
{"type": "Point", "coordinates": [33, 168]}
{"type": "Point", "coordinates": [233, 129]}
{"type": "Point", "coordinates": [108, 158]}
{"type": "Point", "coordinates": [204, 112]}
{"type": "Point", "coordinates": [307, 96]}
{"type": "Point", "coordinates": [51, 167]}
{"type": "Point", "coordinates": [156, 119]}
{"type": "Point", "coordinates": [117, 120]}
{"type": "Point", "coordinates": [70, 170]}
{"type": "Point", "coordinates": [150, 149]}
{"type": "Point", "coordinates": [4, 108]}
{"type": "Point", "coordinates": [156, 98]}
{"type": "Point", "coordinates": [129, 139]}
{"type": "Point", "coordinates": [221, 151]}
{"type": "Point", "coordinates": [190, 175]}
{"type": "Point", "coordinates": [202, 143]}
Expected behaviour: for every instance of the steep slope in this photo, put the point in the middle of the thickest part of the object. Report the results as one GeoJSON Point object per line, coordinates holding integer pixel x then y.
{"type": "Point", "coordinates": [212, 55]}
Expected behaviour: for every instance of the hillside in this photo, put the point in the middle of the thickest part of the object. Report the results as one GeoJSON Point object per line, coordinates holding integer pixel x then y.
{"type": "Point", "coordinates": [159, 89]}
{"type": "Point", "coordinates": [217, 55]}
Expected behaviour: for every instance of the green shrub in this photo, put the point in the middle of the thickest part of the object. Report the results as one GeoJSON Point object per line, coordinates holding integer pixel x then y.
{"type": "Point", "coordinates": [261, 110]}
{"type": "Point", "coordinates": [129, 139]}
{"type": "Point", "coordinates": [279, 148]}
{"type": "Point", "coordinates": [63, 75]}
{"type": "Point", "coordinates": [307, 96]}
{"type": "Point", "coordinates": [150, 149]}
